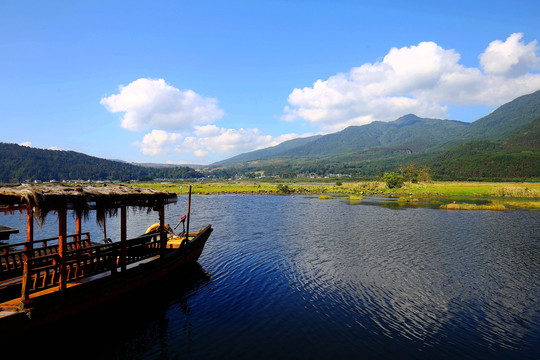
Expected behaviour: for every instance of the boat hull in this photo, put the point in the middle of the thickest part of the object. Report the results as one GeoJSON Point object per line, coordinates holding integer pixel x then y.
{"type": "Point", "coordinates": [58, 305]}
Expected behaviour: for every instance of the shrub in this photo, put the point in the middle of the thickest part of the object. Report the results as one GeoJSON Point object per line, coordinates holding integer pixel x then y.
{"type": "Point", "coordinates": [284, 189]}
{"type": "Point", "coordinates": [393, 180]}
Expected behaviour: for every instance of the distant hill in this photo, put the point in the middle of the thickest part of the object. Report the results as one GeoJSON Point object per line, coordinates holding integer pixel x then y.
{"type": "Point", "coordinates": [506, 119]}
{"type": "Point", "coordinates": [22, 163]}
{"type": "Point", "coordinates": [409, 133]}
{"type": "Point", "coordinates": [383, 146]}
{"type": "Point", "coordinates": [515, 156]}
{"type": "Point", "coordinates": [268, 152]}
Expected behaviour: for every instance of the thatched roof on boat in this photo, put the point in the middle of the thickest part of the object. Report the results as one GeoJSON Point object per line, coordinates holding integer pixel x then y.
{"type": "Point", "coordinates": [105, 199]}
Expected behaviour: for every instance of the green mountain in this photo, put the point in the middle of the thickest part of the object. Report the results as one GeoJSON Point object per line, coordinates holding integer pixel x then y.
{"type": "Point", "coordinates": [445, 145]}
{"type": "Point", "coordinates": [507, 119]}
{"type": "Point", "coordinates": [514, 156]}
{"type": "Point", "coordinates": [408, 134]}
{"type": "Point", "coordinates": [21, 163]}
{"type": "Point", "coordinates": [268, 152]}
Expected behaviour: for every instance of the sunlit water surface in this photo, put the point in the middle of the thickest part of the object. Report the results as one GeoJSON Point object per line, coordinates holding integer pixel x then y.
{"type": "Point", "coordinates": [303, 278]}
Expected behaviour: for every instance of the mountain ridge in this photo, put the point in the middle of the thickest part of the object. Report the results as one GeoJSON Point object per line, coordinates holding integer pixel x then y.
{"type": "Point", "coordinates": [502, 144]}
{"type": "Point", "coordinates": [408, 138]}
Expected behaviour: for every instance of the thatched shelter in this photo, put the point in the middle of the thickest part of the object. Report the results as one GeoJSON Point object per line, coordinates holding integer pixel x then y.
{"type": "Point", "coordinates": [106, 200]}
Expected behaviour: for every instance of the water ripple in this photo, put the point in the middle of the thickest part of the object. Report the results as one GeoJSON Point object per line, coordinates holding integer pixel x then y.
{"type": "Point", "coordinates": [304, 278]}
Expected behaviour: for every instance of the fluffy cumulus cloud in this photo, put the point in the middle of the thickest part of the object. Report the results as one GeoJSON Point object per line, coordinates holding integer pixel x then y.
{"type": "Point", "coordinates": [180, 121]}
{"type": "Point", "coordinates": [158, 142]}
{"type": "Point", "coordinates": [152, 103]}
{"type": "Point", "coordinates": [423, 79]}
{"type": "Point", "coordinates": [509, 58]}
{"type": "Point", "coordinates": [214, 139]}
{"type": "Point", "coordinates": [208, 139]}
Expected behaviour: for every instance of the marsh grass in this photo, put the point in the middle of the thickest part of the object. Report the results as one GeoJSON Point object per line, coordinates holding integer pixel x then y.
{"type": "Point", "coordinates": [482, 189]}
{"type": "Point", "coordinates": [326, 197]}
{"type": "Point", "coordinates": [520, 204]}
{"type": "Point", "coordinates": [408, 199]}
{"type": "Point", "coordinates": [492, 207]}
{"type": "Point", "coordinates": [526, 195]}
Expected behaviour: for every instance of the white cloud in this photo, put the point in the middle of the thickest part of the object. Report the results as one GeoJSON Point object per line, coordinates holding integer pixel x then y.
{"type": "Point", "coordinates": [510, 58]}
{"type": "Point", "coordinates": [152, 103]}
{"type": "Point", "coordinates": [200, 153]}
{"type": "Point", "coordinates": [158, 142]}
{"type": "Point", "coordinates": [26, 143]}
{"type": "Point", "coordinates": [213, 139]}
{"type": "Point", "coordinates": [209, 139]}
{"type": "Point", "coordinates": [423, 79]}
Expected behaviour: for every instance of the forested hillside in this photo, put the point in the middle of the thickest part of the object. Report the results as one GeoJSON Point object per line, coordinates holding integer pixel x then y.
{"type": "Point", "coordinates": [21, 163]}
{"type": "Point", "coordinates": [503, 144]}
{"type": "Point", "coordinates": [516, 156]}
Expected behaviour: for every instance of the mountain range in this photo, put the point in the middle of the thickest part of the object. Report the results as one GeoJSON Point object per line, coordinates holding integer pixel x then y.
{"type": "Point", "coordinates": [441, 144]}
{"type": "Point", "coordinates": [504, 144]}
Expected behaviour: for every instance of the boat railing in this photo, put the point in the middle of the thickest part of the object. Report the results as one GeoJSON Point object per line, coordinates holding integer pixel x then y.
{"type": "Point", "coordinates": [12, 255]}
{"type": "Point", "coordinates": [43, 272]}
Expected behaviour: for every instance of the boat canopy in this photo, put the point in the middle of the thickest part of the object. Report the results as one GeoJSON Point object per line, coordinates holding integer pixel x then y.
{"type": "Point", "coordinates": [106, 199]}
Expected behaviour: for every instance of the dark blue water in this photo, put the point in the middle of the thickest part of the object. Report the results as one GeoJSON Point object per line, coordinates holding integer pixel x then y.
{"type": "Point", "coordinates": [303, 278]}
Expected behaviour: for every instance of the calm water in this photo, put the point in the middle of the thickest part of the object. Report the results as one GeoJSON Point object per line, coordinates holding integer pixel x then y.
{"type": "Point", "coordinates": [304, 278]}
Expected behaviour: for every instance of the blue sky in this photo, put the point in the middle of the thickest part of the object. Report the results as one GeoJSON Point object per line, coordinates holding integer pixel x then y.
{"type": "Point", "coordinates": [200, 81]}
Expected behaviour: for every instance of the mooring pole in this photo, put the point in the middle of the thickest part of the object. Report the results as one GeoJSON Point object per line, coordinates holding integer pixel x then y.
{"type": "Point", "coordinates": [188, 212]}
{"type": "Point", "coordinates": [162, 234]}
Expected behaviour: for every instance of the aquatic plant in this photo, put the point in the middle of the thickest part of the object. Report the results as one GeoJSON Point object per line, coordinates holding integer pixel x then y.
{"type": "Point", "coordinates": [323, 197]}
{"type": "Point", "coordinates": [455, 206]}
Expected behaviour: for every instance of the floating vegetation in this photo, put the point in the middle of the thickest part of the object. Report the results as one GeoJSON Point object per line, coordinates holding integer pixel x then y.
{"type": "Point", "coordinates": [492, 207]}
{"type": "Point", "coordinates": [355, 198]}
{"type": "Point", "coordinates": [324, 197]}
{"type": "Point", "coordinates": [408, 199]}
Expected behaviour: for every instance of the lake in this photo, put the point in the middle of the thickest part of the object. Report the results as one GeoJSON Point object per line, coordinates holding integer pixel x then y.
{"type": "Point", "coordinates": [285, 277]}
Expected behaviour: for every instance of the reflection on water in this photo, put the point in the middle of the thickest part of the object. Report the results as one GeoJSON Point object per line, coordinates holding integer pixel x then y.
{"type": "Point", "coordinates": [285, 277]}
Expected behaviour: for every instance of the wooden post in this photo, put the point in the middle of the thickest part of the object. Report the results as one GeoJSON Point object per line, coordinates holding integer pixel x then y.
{"type": "Point", "coordinates": [188, 213]}
{"type": "Point", "coordinates": [78, 229]}
{"type": "Point", "coordinates": [29, 228]}
{"type": "Point", "coordinates": [28, 247]}
{"type": "Point", "coordinates": [162, 235]}
{"type": "Point", "coordinates": [62, 248]}
{"type": "Point", "coordinates": [104, 229]}
{"type": "Point", "coordinates": [123, 237]}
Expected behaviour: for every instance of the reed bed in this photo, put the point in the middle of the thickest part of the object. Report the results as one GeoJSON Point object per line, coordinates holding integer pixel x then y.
{"type": "Point", "coordinates": [492, 207]}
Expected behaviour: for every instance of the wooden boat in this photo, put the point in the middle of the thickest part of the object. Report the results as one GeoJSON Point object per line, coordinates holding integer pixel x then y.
{"type": "Point", "coordinates": [43, 281]}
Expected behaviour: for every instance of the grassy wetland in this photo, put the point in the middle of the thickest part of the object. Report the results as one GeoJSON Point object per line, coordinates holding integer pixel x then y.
{"type": "Point", "coordinates": [453, 195]}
